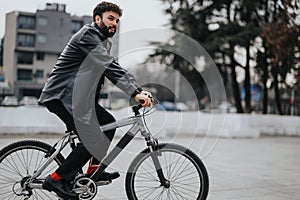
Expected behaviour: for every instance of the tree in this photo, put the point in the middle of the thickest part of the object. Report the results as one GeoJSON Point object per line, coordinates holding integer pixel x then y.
{"type": "Point", "coordinates": [281, 36]}
{"type": "Point", "coordinates": [183, 14]}
{"type": "Point", "coordinates": [221, 27]}
{"type": "Point", "coordinates": [225, 27]}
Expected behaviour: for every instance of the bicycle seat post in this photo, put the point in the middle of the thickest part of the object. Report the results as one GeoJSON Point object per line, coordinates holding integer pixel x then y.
{"type": "Point", "coordinates": [71, 139]}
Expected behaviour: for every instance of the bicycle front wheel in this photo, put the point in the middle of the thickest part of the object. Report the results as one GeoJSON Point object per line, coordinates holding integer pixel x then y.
{"type": "Point", "coordinates": [18, 161]}
{"type": "Point", "coordinates": [182, 168]}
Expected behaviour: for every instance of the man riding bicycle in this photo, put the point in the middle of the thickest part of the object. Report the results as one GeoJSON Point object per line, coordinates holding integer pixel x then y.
{"type": "Point", "coordinates": [88, 49]}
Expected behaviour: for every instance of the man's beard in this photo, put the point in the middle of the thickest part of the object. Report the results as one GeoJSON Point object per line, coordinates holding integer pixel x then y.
{"type": "Point", "coordinates": [105, 29]}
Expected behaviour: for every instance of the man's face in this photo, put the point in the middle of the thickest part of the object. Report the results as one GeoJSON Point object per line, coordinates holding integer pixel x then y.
{"type": "Point", "coordinates": [109, 23]}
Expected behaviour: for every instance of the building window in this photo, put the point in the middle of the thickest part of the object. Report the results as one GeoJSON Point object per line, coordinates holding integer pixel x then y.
{"type": "Point", "coordinates": [39, 73]}
{"type": "Point", "coordinates": [25, 58]}
{"type": "Point", "coordinates": [26, 22]}
{"type": "Point", "coordinates": [42, 38]}
{"type": "Point", "coordinates": [76, 25]}
{"type": "Point", "coordinates": [42, 20]}
{"type": "Point", "coordinates": [24, 74]}
{"type": "Point", "coordinates": [25, 40]}
{"type": "Point", "coordinates": [40, 56]}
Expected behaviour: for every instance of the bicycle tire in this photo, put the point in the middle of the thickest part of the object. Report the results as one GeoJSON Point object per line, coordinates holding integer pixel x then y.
{"type": "Point", "coordinates": [177, 162]}
{"type": "Point", "coordinates": [21, 159]}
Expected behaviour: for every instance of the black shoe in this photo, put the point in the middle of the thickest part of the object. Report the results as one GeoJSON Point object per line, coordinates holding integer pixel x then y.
{"type": "Point", "coordinates": [106, 176]}
{"type": "Point", "coordinates": [60, 188]}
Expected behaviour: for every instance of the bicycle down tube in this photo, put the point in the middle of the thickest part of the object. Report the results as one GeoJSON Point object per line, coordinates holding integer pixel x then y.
{"type": "Point", "coordinates": [124, 141]}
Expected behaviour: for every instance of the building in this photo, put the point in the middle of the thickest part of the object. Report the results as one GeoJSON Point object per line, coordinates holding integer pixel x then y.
{"type": "Point", "coordinates": [1, 54]}
{"type": "Point", "coordinates": [32, 43]}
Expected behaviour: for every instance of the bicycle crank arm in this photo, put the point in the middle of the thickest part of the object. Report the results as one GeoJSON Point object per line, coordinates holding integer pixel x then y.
{"type": "Point", "coordinates": [101, 183]}
{"type": "Point", "coordinates": [80, 190]}
{"type": "Point", "coordinates": [36, 184]}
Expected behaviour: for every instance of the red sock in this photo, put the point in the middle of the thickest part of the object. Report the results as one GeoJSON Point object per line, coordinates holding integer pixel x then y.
{"type": "Point", "coordinates": [54, 176]}
{"type": "Point", "coordinates": [91, 169]}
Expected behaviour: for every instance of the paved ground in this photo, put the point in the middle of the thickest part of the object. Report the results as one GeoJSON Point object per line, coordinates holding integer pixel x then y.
{"type": "Point", "coordinates": [239, 169]}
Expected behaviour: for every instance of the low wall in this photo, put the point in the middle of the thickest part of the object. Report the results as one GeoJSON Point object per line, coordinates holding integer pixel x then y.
{"type": "Point", "coordinates": [32, 120]}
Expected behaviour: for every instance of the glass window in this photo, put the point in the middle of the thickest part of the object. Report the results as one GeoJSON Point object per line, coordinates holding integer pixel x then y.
{"type": "Point", "coordinates": [39, 73]}
{"type": "Point", "coordinates": [42, 20]}
{"type": "Point", "coordinates": [42, 38]}
{"type": "Point", "coordinates": [2, 78]}
{"type": "Point", "coordinates": [24, 74]}
{"type": "Point", "coordinates": [26, 22]}
{"type": "Point", "coordinates": [76, 25]}
{"type": "Point", "coordinates": [25, 58]}
{"type": "Point", "coordinates": [25, 40]}
{"type": "Point", "coordinates": [40, 56]}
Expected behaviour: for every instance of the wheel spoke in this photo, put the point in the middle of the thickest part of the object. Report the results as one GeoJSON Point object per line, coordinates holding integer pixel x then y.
{"type": "Point", "coordinates": [20, 160]}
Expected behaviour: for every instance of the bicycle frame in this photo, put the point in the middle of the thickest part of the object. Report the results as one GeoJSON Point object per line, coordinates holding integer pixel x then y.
{"type": "Point", "coordinates": [128, 136]}
{"type": "Point", "coordinates": [137, 126]}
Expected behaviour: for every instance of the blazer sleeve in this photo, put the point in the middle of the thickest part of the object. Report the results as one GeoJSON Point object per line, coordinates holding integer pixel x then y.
{"type": "Point", "coordinates": [122, 79]}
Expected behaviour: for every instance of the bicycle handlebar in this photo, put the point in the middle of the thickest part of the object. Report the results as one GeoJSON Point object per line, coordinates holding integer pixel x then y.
{"type": "Point", "coordinates": [136, 108]}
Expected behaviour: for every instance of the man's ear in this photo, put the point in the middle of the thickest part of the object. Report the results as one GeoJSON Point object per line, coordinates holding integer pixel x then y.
{"type": "Point", "coordinates": [97, 18]}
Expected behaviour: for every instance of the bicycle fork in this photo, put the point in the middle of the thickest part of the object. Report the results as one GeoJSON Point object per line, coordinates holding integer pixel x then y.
{"type": "Point", "coordinates": [154, 153]}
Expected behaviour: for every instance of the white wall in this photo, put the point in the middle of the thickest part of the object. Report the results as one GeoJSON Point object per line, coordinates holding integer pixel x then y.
{"type": "Point", "coordinates": [32, 120]}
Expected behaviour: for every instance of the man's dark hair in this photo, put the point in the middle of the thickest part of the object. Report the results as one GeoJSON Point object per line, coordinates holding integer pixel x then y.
{"type": "Point", "coordinates": [106, 6]}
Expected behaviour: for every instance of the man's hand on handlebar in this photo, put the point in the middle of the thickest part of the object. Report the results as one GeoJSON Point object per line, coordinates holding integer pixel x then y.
{"type": "Point", "coordinates": [144, 98]}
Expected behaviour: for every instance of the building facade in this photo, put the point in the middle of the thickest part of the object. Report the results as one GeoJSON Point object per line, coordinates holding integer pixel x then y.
{"type": "Point", "coordinates": [33, 42]}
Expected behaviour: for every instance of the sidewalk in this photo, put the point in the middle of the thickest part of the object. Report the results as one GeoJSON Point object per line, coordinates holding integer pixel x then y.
{"type": "Point", "coordinates": [240, 169]}
{"type": "Point", "coordinates": [266, 168]}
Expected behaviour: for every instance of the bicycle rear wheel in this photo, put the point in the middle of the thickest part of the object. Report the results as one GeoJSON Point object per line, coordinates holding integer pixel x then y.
{"type": "Point", "coordinates": [20, 160]}
{"type": "Point", "coordinates": [181, 167]}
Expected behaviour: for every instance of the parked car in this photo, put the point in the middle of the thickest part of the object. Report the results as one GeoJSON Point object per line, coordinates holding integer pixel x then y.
{"type": "Point", "coordinates": [180, 106]}
{"type": "Point", "coordinates": [10, 101]}
{"type": "Point", "coordinates": [167, 106]}
{"type": "Point", "coordinates": [170, 106]}
{"type": "Point", "coordinates": [29, 101]}
{"type": "Point", "coordinates": [227, 107]}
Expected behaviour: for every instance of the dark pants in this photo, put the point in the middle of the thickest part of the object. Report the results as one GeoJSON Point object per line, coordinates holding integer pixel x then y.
{"type": "Point", "coordinates": [79, 156]}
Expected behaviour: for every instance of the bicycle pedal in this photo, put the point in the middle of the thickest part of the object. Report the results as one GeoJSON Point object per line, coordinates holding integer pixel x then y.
{"type": "Point", "coordinates": [100, 183]}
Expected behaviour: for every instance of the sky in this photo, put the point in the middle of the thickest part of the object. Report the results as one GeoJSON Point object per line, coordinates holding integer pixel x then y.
{"type": "Point", "coordinates": [137, 14]}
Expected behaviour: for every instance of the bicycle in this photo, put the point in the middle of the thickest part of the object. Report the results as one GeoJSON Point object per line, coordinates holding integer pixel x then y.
{"type": "Point", "coordinates": [160, 171]}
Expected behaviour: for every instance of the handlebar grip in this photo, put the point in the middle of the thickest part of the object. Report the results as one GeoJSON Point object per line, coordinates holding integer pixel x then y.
{"type": "Point", "coordinates": [136, 109]}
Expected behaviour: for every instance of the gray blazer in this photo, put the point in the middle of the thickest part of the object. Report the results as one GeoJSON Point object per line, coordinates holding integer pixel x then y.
{"type": "Point", "coordinates": [79, 71]}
